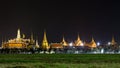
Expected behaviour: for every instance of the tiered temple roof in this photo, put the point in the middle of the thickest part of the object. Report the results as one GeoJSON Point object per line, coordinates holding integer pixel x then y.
{"type": "Point", "coordinates": [78, 42]}
{"type": "Point", "coordinates": [92, 44]}
{"type": "Point", "coordinates": [64, 43]}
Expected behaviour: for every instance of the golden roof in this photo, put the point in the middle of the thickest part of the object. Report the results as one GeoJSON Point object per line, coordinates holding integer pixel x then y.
{"type": "Point", "coordinates": [78, 42]}
{"type": "Point", "coordinates": [56, 45]}
{"type": "Point", "coordinates": [64, 43]}
{"type": "Point", "coordinates": [92, 44]}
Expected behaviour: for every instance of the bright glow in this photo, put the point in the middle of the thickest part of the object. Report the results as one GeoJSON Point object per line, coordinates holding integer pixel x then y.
{"type": "Point", "coordinates": [70, 44]}
{"type": "Point", "coordinates": [102, 50]}
{"type": "Point", "coordinates": [109, 43]}
{"type": "Point", "coordinates": [82, 44]}
{"type": "Point", "coordinates": [98, 43]}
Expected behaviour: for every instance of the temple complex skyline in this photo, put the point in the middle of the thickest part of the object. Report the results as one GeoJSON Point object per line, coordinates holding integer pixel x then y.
{"type": "Point", "coordinates": [45, 41]}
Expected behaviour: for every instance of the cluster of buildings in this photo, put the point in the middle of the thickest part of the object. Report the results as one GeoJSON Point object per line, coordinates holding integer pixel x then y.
{"type": "Point", "coordinates": [23, 43]}
{"type": "Point", "coordinates": [20, 42]}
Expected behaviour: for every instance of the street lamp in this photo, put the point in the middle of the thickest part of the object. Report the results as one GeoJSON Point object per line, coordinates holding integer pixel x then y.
{"type": "Point", "coordinates": [98, 43]}
{"type": "Point", "coordinates": [109, 43]}
{"type": "Point", "coordinates": [71, 44]}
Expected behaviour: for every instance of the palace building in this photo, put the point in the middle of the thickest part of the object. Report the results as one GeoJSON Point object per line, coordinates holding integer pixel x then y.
{"type": "Point", "coordinates": [20, 42]}
{"type": "Point", "coordinates": [56, 46]}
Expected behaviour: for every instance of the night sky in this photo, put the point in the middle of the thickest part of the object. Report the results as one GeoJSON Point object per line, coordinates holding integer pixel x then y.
{"type": "Point", "coordinates": [98, 19]}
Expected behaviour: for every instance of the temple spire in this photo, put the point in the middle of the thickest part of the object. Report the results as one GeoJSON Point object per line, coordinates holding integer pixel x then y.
{"type": "Point", "coordinates": [92, 43]}
{"type": "Point", "coordinates": [45, 38]}
{"type": "Point", "coordinates": [93, 40]}
{"type": "Point", "coordinates": [78, 39]}
{"type": "Point", "coordinates": [78, 42]}
{"type": "Point", "coordinates": [18, 34]}
{"type": "Point", "coordinates": [64, 43]}
{"type": "Point", "coordinates": [31, 39]}
{"type": "Point", "coordinates": [37, 45]}
{"type": "Point", "coordinates": [113, 41]}
{"type": "Point", "coordinates": [45, 42]}
{"type": "Point", "coordinates": [63, 39]}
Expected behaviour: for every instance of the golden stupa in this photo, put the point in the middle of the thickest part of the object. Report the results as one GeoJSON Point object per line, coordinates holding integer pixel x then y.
{"type": "Point", "coordinates": [45, 45]}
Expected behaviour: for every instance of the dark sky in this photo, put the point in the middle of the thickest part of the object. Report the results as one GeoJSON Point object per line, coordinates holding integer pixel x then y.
{"type": "Point", "coordinates": [99, 19]}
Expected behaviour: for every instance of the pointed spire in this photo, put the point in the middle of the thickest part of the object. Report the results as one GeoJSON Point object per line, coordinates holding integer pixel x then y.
{"type": "Point", "coordinates": [18, 34]}
{"type": "Point", "coordinates": [78, 42]}
{"type": "Point", "coordinates": [92, 44]}
{"type": "Point", "coordinates": [31, 36]}
{"type": "Point", "coordinates": [36, 42]}
{"type": "Point", "coordinates": [45, 42]}
{"type": "Point", "coordinates": [113, 41]}
{"type": "Point", "coordinates": [78, 39]}
{"type": "Point", "coordinates": [31, 39]}
{"type": "Point", "coordinates": [23, 35]}
{"type": "Point", "coordinates": [92, 40]}
{"type": "Point", "coordinates": [63, 39]}
{"type": "Point", "coordinates": [45, 38]}
{"type": "Point", "coordinates": [64, 43]}
{"type": "Point", "coordinates": [37, 45]}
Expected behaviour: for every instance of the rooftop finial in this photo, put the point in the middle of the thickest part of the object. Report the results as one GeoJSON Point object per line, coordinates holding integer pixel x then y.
{"type": "Point", "coordinates": [18, 34]}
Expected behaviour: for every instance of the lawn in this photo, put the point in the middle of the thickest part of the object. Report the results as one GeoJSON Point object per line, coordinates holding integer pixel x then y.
{"type": "Point", "coordinates": [59, 61]}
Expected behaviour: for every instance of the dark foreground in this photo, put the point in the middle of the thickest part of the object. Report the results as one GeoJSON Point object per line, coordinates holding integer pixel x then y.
{"type": "Point", "coordinates": [60, 61]}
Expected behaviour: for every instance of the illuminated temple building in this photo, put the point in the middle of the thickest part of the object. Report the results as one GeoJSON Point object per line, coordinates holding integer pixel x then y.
{"type": "Point", "coordinates": [64, 43]}
{"type": "Point", "coordinates": [78, 42]}
{"type": "Point", "coordinates": [92, 44]}
{"type": "Point", "coordinates": [60, 45]}
{"type": "Point", "coordinates": [20, 42]}
{"type": "Point", "coordinates": [56, 46]}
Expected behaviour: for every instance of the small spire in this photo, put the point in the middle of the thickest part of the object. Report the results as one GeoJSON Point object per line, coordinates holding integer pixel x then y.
{"type": "Point", "coordinates": [64, 43]}
{"type": "Point", "coordinates": [63, 39]}
{"type": "Point", "coordinates": [37, 45]}
{"type": "Point", "coordinates": [31, 39]}
{"type": "Point", "coordinates": [23, 35]}
{"type": "Point", "coordinates": [113, 41]}
{"type": "Point", "coordinates": [92, 40]}
{"type": "Point", "coordinates": [45, 38]}
{"type": "Point", "coordinates": [78, 39]}
{"type": "Point", "coordinates": [18, 34]}
{"type": "Point", "coordinates": [31, 36]}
